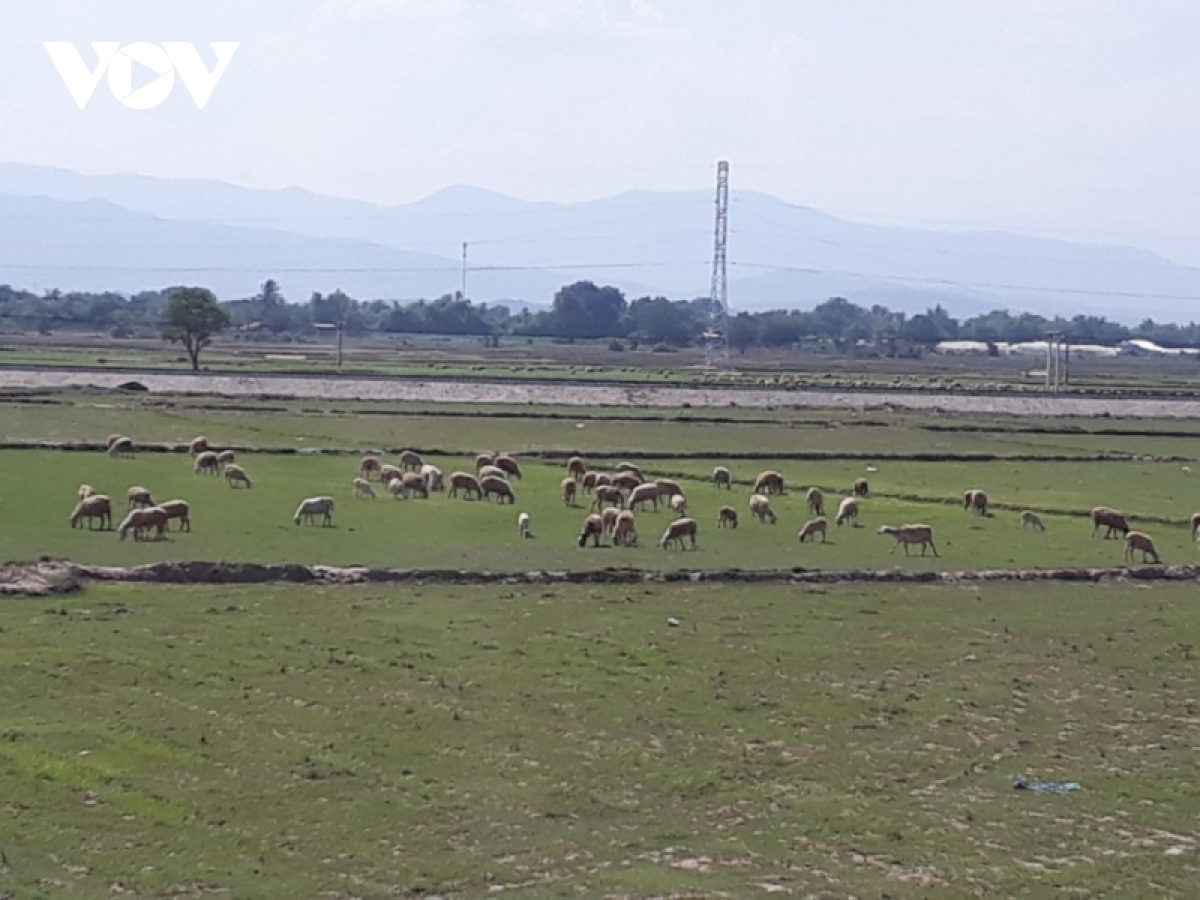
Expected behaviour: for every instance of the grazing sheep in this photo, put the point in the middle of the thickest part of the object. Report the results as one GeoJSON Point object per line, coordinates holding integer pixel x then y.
{"type": "Point", "coordinates": [630, 467]}
{"type": "Point", "coordinates": [576, 467]}
{"type": "Point", "coordinates": [768, 483]}
{"type": "Point", "coordinates": [677, 531]}
{"type": "Point", "coordinates": [312, 507]}
{"type": "Point", "coordinates": [668, 488]}
{"type": "Point", "coordinates": [812, 528]}
{"type": "Point", "coordinates": [847, 512]}
{"type": "Point", "coordinates": [236, 475]}
{"type": "Point", "coordinates": [484, 459]}
{"type": "Point", "coordinates": [94, 506]}
{"type": "Point", "coordinates": [198, 445]}
{"type": "Point", "coordinates": [414, 483]}
{"type": "Point", "coordinates": [433, 477]}
{"type": "Point", "coordinates": [1030, 519]}
{"type": "Point", "coordinates": [178, 509]}
{"type": "Point", "coordinates": [523, 523]}
{"type": "Point", "coordinates": [626, 481]}
{"type": "Point", "coordinates": [85, 491]}
{"type": "Point", "coordinates": [727, 517]}
{"type": "Point", "coordinates": [363, 489]}
{"type": "Point", "coordinates": [206, 462]}
{"type": "Point", "coordinates": [140, 521]}
{"type": "Point", "coordinates": [139, 496]}
{"type": "Point", "coordinates": [410, 461]}
{"type": "Point", "coordinates": [861, 487]}
{"type": "Point", "coordinates": [608, 494]}
{"type": "Point", "coordinates": [609, 518]}
{"type": "Point", "coordinates": [721, 478]}
{"type": "Point", "coordinates": [112, 439]}
{"type": "Point", "coordinates": [909, 535]}
{"type": "Point", "coordinates": [508, 465]}
{"type": "Point", "coordinates": [569, 489]}
{"type": "Point", "coordinates": [593, 527]}
{"type": "Point", "coordinates": [678, 504]}
{"type": "Point", "coordinates": [498, 486]}
{"type": "Point", "coordinates": [760, 508]}
{"type": "Point", "coordinates": [467, 483]}
{"type": "Point", "coordinates": [491, 472]}
{"type": "Point", "coordinates": [368, 466]}
{"type": "Point", "coordinates": [643, 494]}
{"type": "Point", "coordinates": [815, 501]}
{"type": "Point", "coordinates": [625, 530]}
{"type": "Point", "coordinates": [225, 457]}
{"type": "Point", "coordinates": [388, 472]}
{"type": "Point", "coordinates": [976, 501]}
{"type": "Point", "coordinates": [122, 446]}
{"type": "Point", "coordinates": [1195, 523]}
{"type": "Point", "coordinates": [589, 481]}
{"type": "Point", "coordinates": [1110, 519]}
{"type": "Point", "coordinates": [1136, 540]}
{"type": "Point", "coordinates": [603, 479]}
{"type": "Point", "coordinates": [395, 487]}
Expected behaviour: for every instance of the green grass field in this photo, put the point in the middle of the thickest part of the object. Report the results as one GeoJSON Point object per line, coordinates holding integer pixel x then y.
{"type": "Point", "coordinates": [358, 742]}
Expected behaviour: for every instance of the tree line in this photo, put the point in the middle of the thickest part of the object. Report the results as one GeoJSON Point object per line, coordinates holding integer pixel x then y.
{"type": "Point", "coordinates": [580, 311]}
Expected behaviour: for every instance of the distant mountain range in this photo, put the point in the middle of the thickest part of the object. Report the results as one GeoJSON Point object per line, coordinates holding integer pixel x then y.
{"type": "Point", "coordinates": [128, 232]}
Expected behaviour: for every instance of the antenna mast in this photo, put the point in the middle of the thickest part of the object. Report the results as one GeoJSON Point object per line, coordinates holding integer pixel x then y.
{"type": "Point", "coordinates": [716, 344]}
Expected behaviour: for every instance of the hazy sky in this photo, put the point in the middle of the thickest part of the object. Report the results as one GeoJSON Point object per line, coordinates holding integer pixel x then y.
{"type": "Point", "coordinates": [1078, 118]}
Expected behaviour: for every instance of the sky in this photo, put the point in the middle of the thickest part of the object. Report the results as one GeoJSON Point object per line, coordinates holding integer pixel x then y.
{"type": "Point", "coordinates": [1071, 118]}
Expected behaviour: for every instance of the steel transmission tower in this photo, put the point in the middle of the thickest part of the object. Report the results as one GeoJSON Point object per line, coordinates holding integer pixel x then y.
{"type": "Point", "coordinates": [716, 338]}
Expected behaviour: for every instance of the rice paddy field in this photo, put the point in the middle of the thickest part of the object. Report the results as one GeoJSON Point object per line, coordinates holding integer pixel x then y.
{"type": "Point", "coordinates": [636, 740]}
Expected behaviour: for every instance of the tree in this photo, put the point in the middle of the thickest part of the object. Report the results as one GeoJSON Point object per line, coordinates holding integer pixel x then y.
{"type": "Point", "coordinates": [193, 319]}
{"type": "Point", "coordinates": [583, 310]}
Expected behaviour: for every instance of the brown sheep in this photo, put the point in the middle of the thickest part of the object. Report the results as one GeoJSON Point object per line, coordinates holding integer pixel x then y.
{"type": "Point", "coordinates": [1110, 519]}
{"type": "Point", "coordinates": [498, 486]}
{"type": "Point", "coordinates": [576, 467]}
{"type": "Point", "coordinates": [812, 528]}
{"type": "Point", "coordinates": [139, 496]}
{"type": "Point", "coordinates": [760, 508]}
{"type": "Point", "coordinates": [677, 531]}
{"type": "Point", "coordinates": [608, 494]}
{"type": "Point", "coordinates": [609, 518]}
{"type": "Point", "coordinates": [206, 462]}
{"type": "Point", "coordinates": [861, 487]}
{"type": "Point", "coordinates": [721, 478]}
{"type": "Point", "coordinates": [1195, 524]}
{"type": "Point", "coordinates": [468, 484]}
{"type": "Point", "coordinates": [388, 473]}
{"type": "Point", "coordinates": [491, 472]}
{"type": "Point", "coordinates": [910, 534]}
{"type": "Point", "coordinates": [603, 479]}
{"type": "Point", "coordinates": [368, 466]}
{"type": "Point", "coordinates": [976, 500]}
{"type": "Point", "coordinates": [1030, 519]}
{"type": "Point", "coordinates": [95, 506]}
{"type": "Point", "coordinates": [122, 446]}
{"type": "Point", "coordinates": [508, 465]}
{"type": "Point", "coordinates": [626, 481]}
{"type": "Point", "coordinates": [847, 512]}
{"type": "Point", "coordinates": [484, 459]}
{"type": "Point", "coordinates": [225, 457]}
{"type": "Point", "coordinates": [1136, 540]}
{"type": "Point", "coordinates": [411, 461]}
{"type": "Point", "coordinates": [630, 467]}
{"type": "Point", "coordinates": [570, 487]}
{"type": "Point", "coordinates": [768, 483]}
{"type": "Point", "coordinates": [178, 509]}
{"type": "Point", "coordinates": [589, 481]}
{"type": "Point", "coordinates": [625, 532]}
{"type": "Point", "coordinates": [593, 527]}
{"type": "Point", "coordinates": [815, 501]}
{"type": "Point", "coordinates": [668, 488]}
{"type": "Point", "coordinates": [198, 445]}
{"type": "Point", "coordinates": [727, 517]}
{"type": "Point", "coordinates": [236, 475]}
{"type": "Point", "coordinates": [414, 483]}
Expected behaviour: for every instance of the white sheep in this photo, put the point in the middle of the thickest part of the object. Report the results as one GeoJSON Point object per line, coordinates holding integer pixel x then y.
{"type": "Point", "coordinates": [643, 494]}
{"type": "Point", "coordinates": [570, 488]}
{"type": "Point", "coordinates": [625, 530]}
{"type": "Point", "coordinates": [593, 527]}
{"type": "Point", "coordinates": [760, 508]}
{"type": "Point", "coordinates": [768, 482]}
{"type": "Point", "coordinates": [363, 489]}
{"type": "Point", "coordinates": [178, 509]}
{"type": "Point", "coordinates": [677, 531]}
{"type": "Point", "coordinates": [909, 535]}
{"type": "Point", "coordinates": [811, 529]}
{"type": "Point", "coordinates": [313, 507]}
{"type": "Point", "coordinates": [679, 505]}
{"type": "Point", "coordinates": [139, 496]}
{"type": "Point", "coordinates": [508, 465]}
{"type": "Point", "coordinates": [847, 512]}
{"type": "Point", "coordinates": [236, 475]}
{"type": "Point", "coordinates": [206, 462]}
{"type": "Point", "coordinates": [815, 501]}
{"type": "Point", "coordinates": [85, 491]}
{"type": "Point", "coordinates": [93, 506]}
{"type": "Point", "coordinates": [523, 525]}
{"type": "Point", "coordinates": [225, 457]}
{"type": "Point", "coordinates": [388, 473]}
{"type": "Point", "coordinates": [139, 521]}
{"type": "Point", "coordinates": [433, 478]}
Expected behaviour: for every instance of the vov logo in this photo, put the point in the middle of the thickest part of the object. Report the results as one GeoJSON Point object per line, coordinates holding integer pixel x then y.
{"type": "Point", "coordinates": [118, 60]}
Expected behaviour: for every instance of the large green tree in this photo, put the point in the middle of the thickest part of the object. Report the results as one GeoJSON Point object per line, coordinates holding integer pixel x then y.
{"type": "Point", "coordinates": [193, 319]}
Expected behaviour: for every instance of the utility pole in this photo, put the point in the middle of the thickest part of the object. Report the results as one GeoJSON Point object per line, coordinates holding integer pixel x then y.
{"type": "Point", "coordinates": [716, 338]}
{"type": "Point", "coordinates": [463, 292]}
{"type": "Point", "coordinates": [341, 331]}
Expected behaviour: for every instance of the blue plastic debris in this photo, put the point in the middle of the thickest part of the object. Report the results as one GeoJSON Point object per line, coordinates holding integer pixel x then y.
{"type": "Point", "coordinates": [1021, 783]}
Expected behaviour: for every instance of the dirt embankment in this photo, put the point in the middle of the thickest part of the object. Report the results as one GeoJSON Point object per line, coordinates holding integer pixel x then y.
{"type": "Point", "coordinates": [51, 577]}
{"type": "Point", "coordinates": [438, 391]}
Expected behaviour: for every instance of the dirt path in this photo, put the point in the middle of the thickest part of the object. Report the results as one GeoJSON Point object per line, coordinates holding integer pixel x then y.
{"type": "Point", "coordinates": [542, 393]}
